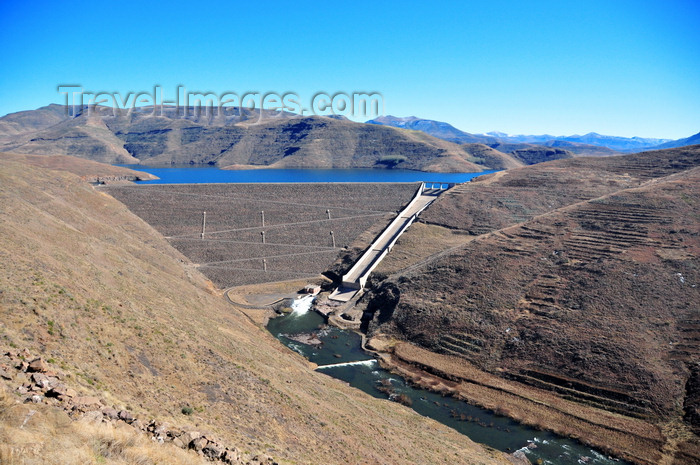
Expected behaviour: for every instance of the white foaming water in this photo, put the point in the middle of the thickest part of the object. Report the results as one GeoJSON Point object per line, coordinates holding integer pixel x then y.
{"type": "Point", "coordinates": [345, 364]}
{"type": "Point", "coordinates": [303, 305]}
{"type": "Point", "coordinates": [296, 348]}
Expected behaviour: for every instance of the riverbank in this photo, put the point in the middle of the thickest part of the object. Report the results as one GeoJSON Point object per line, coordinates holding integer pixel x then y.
{"type": "Point", "coordinates": [340, 354]}
{"type": "Point", "coordinates": [628, 438]}
{"type": "Point", "coordinates": [631, 439]}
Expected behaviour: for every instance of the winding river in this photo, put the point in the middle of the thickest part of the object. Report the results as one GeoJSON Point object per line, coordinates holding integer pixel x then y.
{"type": "Point", "coordinates": [339, 354]}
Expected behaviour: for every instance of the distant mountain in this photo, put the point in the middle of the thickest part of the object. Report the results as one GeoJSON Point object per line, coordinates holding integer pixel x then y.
{"type": "Point", "coordinates": [621, 144]}
{"type": "Point", "coordinates": [498, 135]}
{"type": "Point", "coordinates": [498, 140]}
{"type": "Point", "coordinates": [528, 154]}
{"type": "Point", "coordinates": [242, 139]}
{"type": "Point", "coordinates": [503, 137]}
{"type": "Point", "coordinates": [438, 129]}
{"type": "Point", "coordinates": [580, 145]}
{"type": "Point", "coordinates": [582, 150]}
{"type": "Point", "coordinates": [614, 143]}
{"type": "Point", "coordinates": [692, 140]}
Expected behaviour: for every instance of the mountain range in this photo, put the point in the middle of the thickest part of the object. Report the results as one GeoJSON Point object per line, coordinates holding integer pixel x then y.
{"type": "Point", "coordinates": [242, 139]}
{"type": "Point", "coordinates": [257, 138]}
{"type": "Point", "coordinates": [581, 145]}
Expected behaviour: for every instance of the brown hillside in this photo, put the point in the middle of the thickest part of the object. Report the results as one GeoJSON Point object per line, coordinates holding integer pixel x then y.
{"type": "Point", "coordinates": [32, 120]}
{"type": "Point", "coordinates": [103, 297]}
{"type": "Point", "coordinates": [497, 200]}
{"type": "Point", "coordinates": [493, 158]}
{"type": "Point", "coordinates": [584, 283]}
{"type": "Point", "coordinates": [87, 170]}
{"type": "Point", "coordinates": [249, 139]}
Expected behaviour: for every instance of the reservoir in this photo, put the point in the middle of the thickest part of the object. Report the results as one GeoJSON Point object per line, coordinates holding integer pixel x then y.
{"type": "Point", "coordinates": [207, 174]}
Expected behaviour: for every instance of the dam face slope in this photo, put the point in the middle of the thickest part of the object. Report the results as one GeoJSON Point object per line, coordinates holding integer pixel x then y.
{"type": "Point", "coordinates": [258, 233]}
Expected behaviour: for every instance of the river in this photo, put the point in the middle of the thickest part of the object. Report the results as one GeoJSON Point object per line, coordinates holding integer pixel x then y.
{"type": "Point", "coordinates": [339, 354]}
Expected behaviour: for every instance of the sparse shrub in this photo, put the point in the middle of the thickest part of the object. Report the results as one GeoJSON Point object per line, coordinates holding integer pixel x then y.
{"type": "Point", "coordinates": [391, 160]}
{"type": "Point", "coordinates": [187, 410]}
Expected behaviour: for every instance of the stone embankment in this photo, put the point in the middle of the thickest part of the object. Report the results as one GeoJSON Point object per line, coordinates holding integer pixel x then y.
{"type": "Point", "coordinates": [259, 233]}
{"type": "Point", "coordinates": [36, 381]}
{"type": "Point", "coordinates": [118, 179]}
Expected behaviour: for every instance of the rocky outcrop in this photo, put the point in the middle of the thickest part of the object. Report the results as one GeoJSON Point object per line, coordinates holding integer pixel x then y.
{"type": "Point", "coordinates": [519, 458]}
{"type": "Point", "coordinates": [36, 381]}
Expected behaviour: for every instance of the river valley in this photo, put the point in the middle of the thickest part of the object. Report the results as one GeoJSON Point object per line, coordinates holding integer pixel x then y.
{"type": "Point", "coordinates": [338, 353]}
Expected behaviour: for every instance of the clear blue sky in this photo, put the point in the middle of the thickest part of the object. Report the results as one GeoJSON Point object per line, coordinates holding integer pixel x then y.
{"type": "Point", "coordinates": [629, 68]}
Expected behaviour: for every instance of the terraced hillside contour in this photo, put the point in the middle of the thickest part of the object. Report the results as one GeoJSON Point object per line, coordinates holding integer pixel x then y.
{"type": "Point", "coordinates": [578, 277]}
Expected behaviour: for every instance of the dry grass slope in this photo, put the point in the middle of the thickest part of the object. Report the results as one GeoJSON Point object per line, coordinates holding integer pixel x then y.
{"type": "Point", "coordinates": [576, 277]}
{"type": "Point", "coordinates": [38, 434]}
{"type": "Point", "coordinates": [102, 295]}
{"type": "Point", "coordinates": [89, 171]}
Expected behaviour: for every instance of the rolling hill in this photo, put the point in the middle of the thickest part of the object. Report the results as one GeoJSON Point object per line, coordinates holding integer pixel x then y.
{"type": "Point", "coordinates": [249, 139]}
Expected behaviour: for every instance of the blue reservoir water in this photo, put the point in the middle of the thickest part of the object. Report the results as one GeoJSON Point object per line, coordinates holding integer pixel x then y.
{"type": "Point", "coordinates": [209, 174]}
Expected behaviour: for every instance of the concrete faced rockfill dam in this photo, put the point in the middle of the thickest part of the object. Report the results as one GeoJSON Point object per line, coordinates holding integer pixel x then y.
{"type": "Point", "coordinates": [259, 233]}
